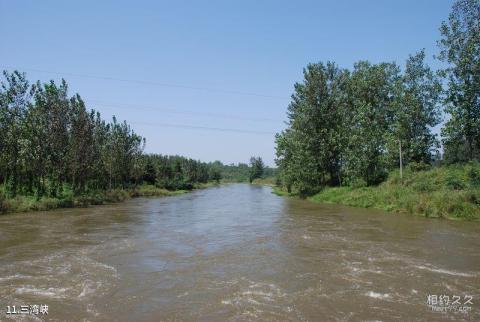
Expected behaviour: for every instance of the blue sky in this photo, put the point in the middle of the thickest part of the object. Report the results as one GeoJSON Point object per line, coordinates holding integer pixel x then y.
{"type": "Point", "coordinates": [200, 62]}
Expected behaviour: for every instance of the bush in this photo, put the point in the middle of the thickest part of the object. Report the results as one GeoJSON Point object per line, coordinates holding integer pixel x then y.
{"type": "Point", "coordinates": [116, 195]}
{"type": "Point", "coordinates": [450, 191]}
{"type": "Point", "coordinates": [66, 202]}
{"type": "Point", "coordinates": [358, 183]}
{"type": "Point", "coordinates": [44, 204]}
{"type": "Point", "coordinates": [423, 186]}
{"type": "Point", "coordinates": [418, 166]}
{"type": "Point", "coordinates": [3, 203]}
{"type": "Point", "coordinates": [454, 183]}
{"type": "Point", "coordinates": [474, 176]}
{"type": "Point", "coordinates": [473, 196]}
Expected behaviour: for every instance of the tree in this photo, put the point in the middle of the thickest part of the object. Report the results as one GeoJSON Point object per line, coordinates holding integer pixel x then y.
{"type": "Point", "coordinates": [416, 111]}
{"type": "Point", "coordinates": [53, 104]}
{"type": "Point", "coordinates": [81, 141]}
{"type": "Point", "coordinates": [460, 48]}
{"type": "Point", "coordinates": [371, 98]}
{"type": "Point", "coordinates": [310, 151]}
{"type": "Point", "coordinates": [14, 102]}
{"type": "Point", "coordinates": [215, 173]}
{"type": "Point", "coordinates": [149, 173]}
{"type": "Point", "coordinates": [256, 168]}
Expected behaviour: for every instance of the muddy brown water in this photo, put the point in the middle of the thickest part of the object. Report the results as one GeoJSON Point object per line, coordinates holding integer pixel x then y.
{"type": "Point", "coordinates": [235, 253]}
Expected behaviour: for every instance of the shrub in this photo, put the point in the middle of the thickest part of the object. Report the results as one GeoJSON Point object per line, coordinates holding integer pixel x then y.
{"type": "Point", "coordinates": [454, 183]}
{"type": "Point", "coordinates": [116, 195]}
{"type": "Point", "coordinates": [423, 186]}
{"type": "Point", "coordinates": [358, 183]}
{"type": "Point", "coordinates": [474, 176]}
{"type": "Point", "coordinates": [419, 166]}
{"type": "Point", "coordinates": [3, 203]}
{"type": "Point", "coordinates": [473, 196]}
{"type": "Point", "coordinates": [45, 204]}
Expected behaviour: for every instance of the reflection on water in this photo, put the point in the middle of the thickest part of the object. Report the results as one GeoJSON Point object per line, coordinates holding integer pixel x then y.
{"type": "Point", "coordinates": [235, 253]}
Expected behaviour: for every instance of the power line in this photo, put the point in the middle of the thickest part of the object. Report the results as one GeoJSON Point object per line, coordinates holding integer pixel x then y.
{"type": "Point", "coordinates": [184, 126]}
{"type": "Point", "coordinates": [184, 112]}
{"type": "Point", "coordinates": [206, 89]}
{"type": "Point", "coordinates": [206, 128]}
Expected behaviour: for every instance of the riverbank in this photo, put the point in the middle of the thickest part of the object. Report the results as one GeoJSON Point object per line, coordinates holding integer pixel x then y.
{"type": "Point", "coordinates": [268, 181]}
{"type": "Point", "coordinates": [451, 192]}
{"type": "Point", "coordinates": [30, 203]}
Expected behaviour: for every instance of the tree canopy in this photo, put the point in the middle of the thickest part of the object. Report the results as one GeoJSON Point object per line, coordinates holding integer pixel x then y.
{"type": "Point", "coordinates": [51, 144]}
{"type": "Point", "coordinates": [352, 127]}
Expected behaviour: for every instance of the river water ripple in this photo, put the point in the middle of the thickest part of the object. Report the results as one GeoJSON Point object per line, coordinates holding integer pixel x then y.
{"type": "Point", "coordinates": [235, 253]}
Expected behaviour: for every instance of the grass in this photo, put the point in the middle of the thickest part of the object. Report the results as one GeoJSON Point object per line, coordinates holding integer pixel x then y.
{"type": "Point", "coordinates": [451, 192]}
{"type": "Point", "coordinates": [281, 192]}
{"type": "Point", "coordinates": [268, 181]}
{"type": "Point", "coordinates": [30, 203]}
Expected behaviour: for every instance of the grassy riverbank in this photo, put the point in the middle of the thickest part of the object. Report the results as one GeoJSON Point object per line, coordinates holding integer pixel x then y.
{"type": "Point", "coordinates": [451, 192]}
{"type": "Point", "coordinates": [30, 203]}
{"type": "Point", "coordinates": [267, 181]}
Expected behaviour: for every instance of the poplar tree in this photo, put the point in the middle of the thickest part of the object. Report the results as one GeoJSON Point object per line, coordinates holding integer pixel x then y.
{"type": "Point", "coordinates": [460, 49]}
{"type": "Point", "coordinates": [416, 112]}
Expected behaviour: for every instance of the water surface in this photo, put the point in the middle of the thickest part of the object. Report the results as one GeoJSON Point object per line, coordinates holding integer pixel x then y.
{"type": "Point", "coordinates": [235, 253]}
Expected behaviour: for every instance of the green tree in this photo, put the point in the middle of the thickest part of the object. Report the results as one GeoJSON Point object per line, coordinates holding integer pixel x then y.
{"type": "Point", "coordinates": [416, 111]}
{"type": "Point", "coordinates": [256, 168]}
{"type": "Point", "coordinates": [460, 48]}
{"type": "Point", "coordinates": [53, 103]}
{"type": "Point", "coordinates": [215, 175]}
{"type": "Point", "coordinates": [81, 151]}
{"type": "Point", "coordinates": [309, 153]}
{"type": "Point", "coordinates": [150, 173]}
{"type": "Point", "coordinates": [14, 100]}
{"type": "Point", "coordinates": [371, 98]}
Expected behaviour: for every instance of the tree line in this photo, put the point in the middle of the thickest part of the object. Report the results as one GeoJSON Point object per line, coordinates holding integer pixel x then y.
{"type": "Point", "coordinates": [177, 172]}
{"type": "Point", "coordinates": [349, 127]}
{"type": "Point", "coordinates": [50, 144]}
{"type": "Point", "coordinates": [243, 172]}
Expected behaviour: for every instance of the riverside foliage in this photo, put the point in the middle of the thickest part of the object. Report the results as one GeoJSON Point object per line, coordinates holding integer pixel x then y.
{"type": "Point", "coordinates": [346, 127]}
{"type": "Point", "coordinates": [56, 153]}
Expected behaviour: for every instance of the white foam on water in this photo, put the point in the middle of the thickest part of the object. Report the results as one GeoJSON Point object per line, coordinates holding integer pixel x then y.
{"type": "Point", "coordinates": [12, 277]}
{"type": "Point", "coordinates": [306, 275]}
{"type": "Point", "coordinates": [376, 295]}
{"type": "Point", "coordinates": [268, 296]}
{"type": "Point", "coordinates": [49, 292]}
{"type": "Point", "coordinates": [258, 295]}
{"type": "Point", "coordinates": [182, 295]}
{"type": "Point", "coordinates": [88, 288]}
{"type": "Point", "coordinates": [252, 301]}
{"type": "Point", "coordinates": [445, 271]}
{"type": "Point", "coordinates": [91, 310]}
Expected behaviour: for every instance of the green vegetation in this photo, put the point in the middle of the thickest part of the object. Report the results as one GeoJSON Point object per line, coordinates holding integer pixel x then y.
{"type": "Point", "coordinates": [256, 168]}
{"type": "Point", "coordinates": [350, 130]}
{"type": "Point", "coordinates": [54, 153]}
{"type": "Point", "coordinates": [460, 49]}
{"type": "Point", "coordinates": [68, 200]}
{"type": "Point", "coordinates": [345, 127]}
{"type": "Point", "coordinates": [444, 192]}
{"type": "Point", "coordinates": [242, 172]}
{"type": "Point", "coordinates": [266, 181]}
{"type": "Point", "coordinates": [234, 172]}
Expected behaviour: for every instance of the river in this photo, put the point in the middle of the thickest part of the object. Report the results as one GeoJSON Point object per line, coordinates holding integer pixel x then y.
{"type": "Point", "coordinates": [235, 253]}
